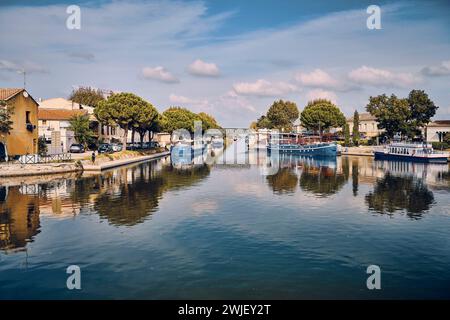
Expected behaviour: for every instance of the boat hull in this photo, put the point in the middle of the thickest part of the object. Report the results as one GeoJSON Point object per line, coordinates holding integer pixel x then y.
{"type": "Point", "coordinates": [326, 150]}
{"type": "Point", "coordinates": [386, 156]}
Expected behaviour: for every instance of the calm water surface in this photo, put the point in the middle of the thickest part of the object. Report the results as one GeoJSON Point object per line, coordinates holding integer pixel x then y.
{"type": "Point", "coordinates": [154, 230]}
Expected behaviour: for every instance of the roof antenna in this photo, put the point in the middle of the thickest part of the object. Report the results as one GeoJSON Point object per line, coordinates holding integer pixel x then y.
{"type": "Point", "coordinates": [24, 76]}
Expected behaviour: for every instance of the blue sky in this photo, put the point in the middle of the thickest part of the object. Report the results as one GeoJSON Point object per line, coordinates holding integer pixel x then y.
{"type": "Point", "coordinates": [230, 58]}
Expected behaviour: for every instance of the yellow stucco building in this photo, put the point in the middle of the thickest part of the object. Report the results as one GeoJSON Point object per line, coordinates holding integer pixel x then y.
{"type": "Point", "coordinates": [23, 138]}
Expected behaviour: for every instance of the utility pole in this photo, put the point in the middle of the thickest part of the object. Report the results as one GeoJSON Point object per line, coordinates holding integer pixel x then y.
{"type": "Point", "coordinates": [24, 77]}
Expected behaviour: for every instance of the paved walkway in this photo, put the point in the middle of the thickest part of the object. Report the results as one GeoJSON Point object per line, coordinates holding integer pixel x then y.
{"type": "Point", "coordinates": [358, 151]}
{"type": "Point", "coordinates": [122, 162]}
{"type": "Point", "coordinates": [15, 170]}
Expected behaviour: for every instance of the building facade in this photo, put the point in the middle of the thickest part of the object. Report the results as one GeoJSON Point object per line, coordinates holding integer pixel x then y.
{"type": "Point", "coordinates": [368, 125]}
{"type": "Point", "coordinates": [23, 138]}
{"type": "Point", "coordinates": [104, 133]}
{"type": "Point", "coordinates": [54, 125]}
{"type": "Point", "coordinates": [436, 130]}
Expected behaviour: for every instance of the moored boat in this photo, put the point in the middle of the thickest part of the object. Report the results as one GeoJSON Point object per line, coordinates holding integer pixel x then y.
{"type": "Point", "coordinates": [419, 152]}
{"type": "Point", "coordinates": [295, 144]}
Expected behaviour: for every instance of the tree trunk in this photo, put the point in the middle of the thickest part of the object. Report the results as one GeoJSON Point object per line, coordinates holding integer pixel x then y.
{"type": "Point", "coordinates": [125, 137]}
{"type": "Point", "coordinates": [142, 135]}
{"type": "Point", "coordinates": [132, 136]}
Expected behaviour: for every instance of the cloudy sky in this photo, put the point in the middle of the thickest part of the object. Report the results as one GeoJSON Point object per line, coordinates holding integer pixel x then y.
{"type": "Point", "coordinates": [230, 58]}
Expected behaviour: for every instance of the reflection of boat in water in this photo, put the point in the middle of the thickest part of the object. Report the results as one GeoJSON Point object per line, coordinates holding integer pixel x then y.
{"type": "Point", "coordinates": [185, 151]}
{"type": "Point", "coordinates": [417, 152]}
{"type": "Point", "coordinates": [217, 143]}
{"type": "Point", "coordinates": [302, 160]}
{"type": "Point", "coordinates": [293, 143]}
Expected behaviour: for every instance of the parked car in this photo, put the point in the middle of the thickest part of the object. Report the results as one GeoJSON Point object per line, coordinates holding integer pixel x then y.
{"type": "Point", "coordinates": [116, 147]}
{"type": "Point", "coordinates": [153, 144]}
{"type": "Point", "coordinates": [133, 146]}
{"type": "Point", "coordinates": [105, 148]}
{"type": "Point", "coordinates": [76, 148]}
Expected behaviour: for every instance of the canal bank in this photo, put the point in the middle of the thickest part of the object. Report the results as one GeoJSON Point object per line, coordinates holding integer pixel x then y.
{"type": "Point", "coordinates": [23, 170]}
{"type": "Point", "coordinates": [19, 170]}
{"type": "Point", "coordinates": [122, 162]}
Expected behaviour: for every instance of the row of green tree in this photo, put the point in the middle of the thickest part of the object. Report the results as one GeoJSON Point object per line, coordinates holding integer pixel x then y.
{"type": "Point", "coordinates": [318, 115]}
{"type": "Point", "coordinates": [397, 116]}
{"type": "Point", "coordinates": [132, 113]}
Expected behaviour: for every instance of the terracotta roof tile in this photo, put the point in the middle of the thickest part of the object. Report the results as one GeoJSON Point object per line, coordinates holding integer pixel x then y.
{"type": "Point", "coordinates": [439, 123]}
{"type": "Point", "coordinates": [59, 114]}
{"type": "Point", "coordinates": [7, 93]}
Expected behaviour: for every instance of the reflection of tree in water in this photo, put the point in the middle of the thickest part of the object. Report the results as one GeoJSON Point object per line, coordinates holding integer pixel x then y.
{"type": "Point", "coordinates": [131, 197]}
{"type": "Point", "coordinates": [393, 193]}
{"type": "Point", "coordinates": [323, 181]}
{"type": "Point", "coordinates": [444, 176]}
{"type": "Point", "coordinates": [284, 181]}
{"type": "Point", "coordinates": [355, 176]}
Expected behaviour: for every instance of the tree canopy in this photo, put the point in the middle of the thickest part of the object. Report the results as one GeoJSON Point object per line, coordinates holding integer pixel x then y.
{"type": "Point", "coordinates": [122, 109]}
{"type": "Point", "coordinates": [346, 135]}
{"type": "Point", "coordinates": [5, 118]}
{"type": "Point", "coordinates": [176, 118]}
{"type": "Point", "coordinates": [208, 121]}
{"type": "Point", "coordinates": [280, 115]}
{"type": "Point", "coordinates": [323, 114]}
{"type": "Point", "coordinates": [422, 110]}
{"type": "Point", "coordinates": [356, 134]}
{"type": "Point", "coordinates": [402, 116]}
{"type": "Point", "coordinates": [79, 124]}
{"type": "Point", "coordinates": [263, 123]}
{"type": "Point", "coordinates": [146, 119]}
{"type": "Point", "coordinates": [87, 96]}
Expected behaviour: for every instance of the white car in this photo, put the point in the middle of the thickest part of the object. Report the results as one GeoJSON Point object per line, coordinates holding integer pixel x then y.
{"type": "Point", "coordinates": [116, 147]}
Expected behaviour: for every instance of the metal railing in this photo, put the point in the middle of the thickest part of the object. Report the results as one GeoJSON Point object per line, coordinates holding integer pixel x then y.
{"type": "Point", "coordinates": [36, 159]}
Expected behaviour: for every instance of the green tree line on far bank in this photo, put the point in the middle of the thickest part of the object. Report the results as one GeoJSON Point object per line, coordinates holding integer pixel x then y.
{"type": "Point", "coordinates": [405, 117]}
{"type": "Point", "coordinates": [132, 113]}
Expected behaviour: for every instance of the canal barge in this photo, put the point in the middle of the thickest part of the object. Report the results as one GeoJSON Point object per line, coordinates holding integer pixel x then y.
{"type": "Point", "coordinates": [418, 152]}
{"type": "Point", "coordinates": [294, 143]}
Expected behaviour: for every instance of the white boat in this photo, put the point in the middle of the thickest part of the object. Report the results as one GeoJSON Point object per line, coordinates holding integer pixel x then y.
{"type": "Point", "coordinates": [420, 152]}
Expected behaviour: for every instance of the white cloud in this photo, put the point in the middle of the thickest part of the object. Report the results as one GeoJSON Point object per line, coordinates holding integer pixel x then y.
{"type": "Point", "coordinates": [202, 68]}
{"type": "Point", "coordinates": [316, 78]}
{"type": "Point", "coordinates": [380, 77]}
{"type": "Point", "coordinates": [182, 100]}
{"type": "Point", "coordinates": [321, 94]}
{"type": "Point", "coordinates": [160, 74]}
{"type": "Point", "coordinates": [435, 71]}
{"type": "Point", "coordinates": [28, 66]}
{"type": "Point", "coordinates": [264, 88]}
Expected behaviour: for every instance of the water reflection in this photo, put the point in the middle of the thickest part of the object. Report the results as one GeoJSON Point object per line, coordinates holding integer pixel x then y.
{"type": "Point", "coordinates": [318, 176]}
{"type": "Point", "coordinates": [284, 181]}
{"type": "Point", "coordinates": [406, 186]}
{"type": "Point", "coordinates": [130, 195]}
{"type": "Point", "coordinates": [124, 197]}
{"type": "Point", "coordinates": [394, 193]}
{"type": "Point", "coordinates": [19, 217]}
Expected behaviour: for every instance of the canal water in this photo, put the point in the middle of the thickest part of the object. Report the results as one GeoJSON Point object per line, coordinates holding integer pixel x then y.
{"type": "Point", "coordinates": [251, 227]}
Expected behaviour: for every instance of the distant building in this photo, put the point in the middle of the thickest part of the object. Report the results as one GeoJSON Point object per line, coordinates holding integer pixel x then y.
{"type": "Point", "coordinates": [297, 126]}
{"type": "Point", "coordinates": [368, 125]}
{"type": "Point", "coordinates": [436, 130]}
{"type": "Point", "coordinates": [163, 138]}
{"type": "Point", "coordinates": [104, 133]}
{"type": "Point", "coordinates": [23, 137]}
{"type": "Point", "coordinates": [53, 121]}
